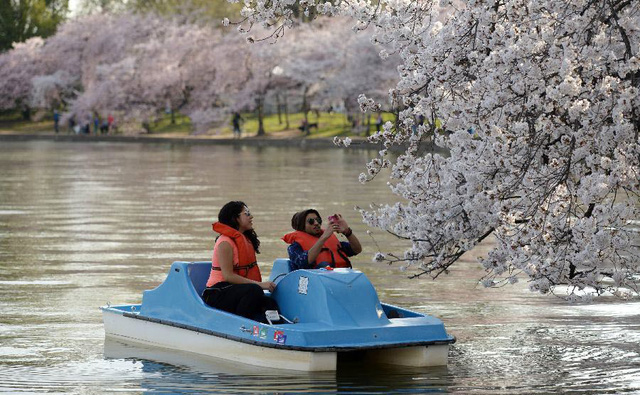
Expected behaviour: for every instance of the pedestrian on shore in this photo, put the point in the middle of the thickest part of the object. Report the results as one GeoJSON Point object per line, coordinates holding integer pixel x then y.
{"type": "Point", "coordinates": [56, 121]}
{"type": "Point", "coordinates": [235, 121]}
{"type": "Point", "coordinates": [72, 124]}
{"type": "Point", "coordinates": [96, 124]}
{"type": "Point", "coordinates": [111, 123]}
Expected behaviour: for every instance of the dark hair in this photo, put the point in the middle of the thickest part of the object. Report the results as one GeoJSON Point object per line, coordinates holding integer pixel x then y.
{"type": "Point", "coordinates": [229, 214]}
{"type": "Point", "coordinates": [299, 219]}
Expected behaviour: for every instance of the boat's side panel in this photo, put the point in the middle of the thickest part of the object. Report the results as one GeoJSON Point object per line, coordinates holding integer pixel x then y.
{"type": "Point", "coordinates": [151, 333]}
{"type": "Point", "coordinates": [419, 356]}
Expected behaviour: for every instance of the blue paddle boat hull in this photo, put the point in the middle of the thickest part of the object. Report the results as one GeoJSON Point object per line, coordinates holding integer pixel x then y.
{"type": "Point", "coordinates": [330, 312]}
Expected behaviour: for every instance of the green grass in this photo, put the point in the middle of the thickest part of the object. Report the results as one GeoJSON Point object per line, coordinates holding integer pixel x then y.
{"type": "Point", "coordinates": [329, 125]}
{"type": "Point", "coordinates": [182, 125]}
{"type": "Point", "coordinates": [13, 122]}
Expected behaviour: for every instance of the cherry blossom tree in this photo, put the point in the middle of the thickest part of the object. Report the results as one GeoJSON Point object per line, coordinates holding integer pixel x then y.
{"type": "Point", "coordinates": [359, 69]}
{"type": "Point", "coordinates": [163, 65]}
{"type": "Point", "coordinates": [17, 68]}
{"type": "Point", "coordinates": [540, 109]}
{"type": "Point", "coordinates": [257, 66]}
{"type": "Point", "coordinates": [131, 65]}
{"type": "Point", "coordinates": [300, 64]}
{"type": "Point", "coordinates": [88, 47]}
{"type": "Point", "coordinates": [312, 60]}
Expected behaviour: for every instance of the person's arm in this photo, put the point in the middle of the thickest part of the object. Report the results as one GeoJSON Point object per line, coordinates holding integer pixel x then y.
{"type": "Point", "coordinates": [317, 247]}
{"type": "Point", "coordinates": [225, 260]}
{"type": "Point", "coordinates": [298, 258]}
{"type": "Point", "coordinates": [354, 242]}
{"type": "Point", "coordinates": [344, 228]}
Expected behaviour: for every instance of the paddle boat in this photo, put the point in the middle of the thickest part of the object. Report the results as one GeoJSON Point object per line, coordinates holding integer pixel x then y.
{"type": "Point", "coordinates": [323, 315]}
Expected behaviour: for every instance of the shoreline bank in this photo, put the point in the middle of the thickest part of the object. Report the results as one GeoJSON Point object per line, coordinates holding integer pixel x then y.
{"type": "Point", "coordinates": [298, 142]}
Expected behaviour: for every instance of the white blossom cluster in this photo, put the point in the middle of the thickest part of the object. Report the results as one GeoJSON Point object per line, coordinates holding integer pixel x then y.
{"type": "Point", "coordinates": [537, 105]}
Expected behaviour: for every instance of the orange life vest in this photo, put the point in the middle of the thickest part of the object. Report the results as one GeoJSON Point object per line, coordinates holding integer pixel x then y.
{"type": "Point", "coordinates": [331, 253]}
{"type": "Point", "coordinates": [244, 256]}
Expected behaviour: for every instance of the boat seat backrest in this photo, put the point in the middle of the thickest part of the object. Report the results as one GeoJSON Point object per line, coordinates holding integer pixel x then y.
{"type": "Point", "coordinates": [279, 269]}
{"type": "Point", "coordinates": [199, 275]}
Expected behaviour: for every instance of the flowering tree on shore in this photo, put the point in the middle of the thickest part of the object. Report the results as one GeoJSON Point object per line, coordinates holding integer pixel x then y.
{"type": "Point", "coordinates": [17, 68]}
{"type": "Point", "coordinates": [359, 69]}
{"type": "Point", "coordinates": [540, 108]}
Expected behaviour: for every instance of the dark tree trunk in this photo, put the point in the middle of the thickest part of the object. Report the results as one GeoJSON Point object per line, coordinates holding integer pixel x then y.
{"type": "Point", "coordinates": [260, 110]}
{"type": "Point", "coordinates": [305, 111]}
{"type": "Point", "coordinates": [278, 106]}
{"type": "Point", "coordinates": [26, 113]}
{"type": "Point", "coordinates": [286, 113]}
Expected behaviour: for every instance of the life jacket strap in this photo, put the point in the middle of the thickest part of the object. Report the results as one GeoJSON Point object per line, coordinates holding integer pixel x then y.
{"type": "Point", "coordinates": [238, 268]}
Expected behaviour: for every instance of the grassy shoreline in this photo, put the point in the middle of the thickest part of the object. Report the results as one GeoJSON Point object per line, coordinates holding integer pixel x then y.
{"type": "Point", "coordinates": [327, 125]}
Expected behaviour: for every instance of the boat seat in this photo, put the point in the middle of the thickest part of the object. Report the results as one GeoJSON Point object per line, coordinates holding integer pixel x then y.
{"type": "Point", "coordinates": [199, 275]}
{"type": "Point", "coordinates": [279, 269]}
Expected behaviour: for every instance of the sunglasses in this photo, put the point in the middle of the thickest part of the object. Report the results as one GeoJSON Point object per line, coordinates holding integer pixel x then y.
{"type": "Point", "coordinates": [311, 221]}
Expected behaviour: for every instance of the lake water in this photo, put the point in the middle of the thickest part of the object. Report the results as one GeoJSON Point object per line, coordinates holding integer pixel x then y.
{"type": "Point", "coordinates": [84, 224]}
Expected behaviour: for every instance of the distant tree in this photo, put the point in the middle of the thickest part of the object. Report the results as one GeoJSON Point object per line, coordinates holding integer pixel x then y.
{"type": "Point", "coordinates": [23, 19]}
{"type": "Point", "coordinates": [17, 68]}
{"type": "Point", "coordinates": [358, 69]}
{"type": "Point", "coordinates": [261, 67]}
{"type": "Point", "coordinates": [311, 60]}
{"type": "Point", "coordinates": [140, 65]}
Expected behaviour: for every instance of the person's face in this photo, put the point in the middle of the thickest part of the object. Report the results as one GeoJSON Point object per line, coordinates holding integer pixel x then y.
{"type": "Point", "coordinates": [245, 220]}
{"type": "Point", "coordinates": [312, 224]}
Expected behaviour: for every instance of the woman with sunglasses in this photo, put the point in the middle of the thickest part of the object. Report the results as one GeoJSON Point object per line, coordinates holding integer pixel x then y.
{"type": "Point", "coordinates": [311, 247]}
{"type": "Point", "coordinates": [235, 284]}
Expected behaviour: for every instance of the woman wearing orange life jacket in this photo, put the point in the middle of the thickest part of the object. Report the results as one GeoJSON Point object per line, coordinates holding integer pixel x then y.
{"type": "Point", "coordinates": [311, 247]}
{"type": "Point", "coordinates": [235, 284]}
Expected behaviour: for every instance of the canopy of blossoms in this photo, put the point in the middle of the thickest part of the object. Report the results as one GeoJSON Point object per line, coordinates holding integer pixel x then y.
{"type": "Point", "coordinates": [537, 105]}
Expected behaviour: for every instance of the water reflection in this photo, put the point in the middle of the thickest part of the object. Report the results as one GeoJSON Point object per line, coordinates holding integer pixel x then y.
{"type": "Point", "coordinates": [162, 370]}
{"type": "Point", "coordinates": [86, 224]}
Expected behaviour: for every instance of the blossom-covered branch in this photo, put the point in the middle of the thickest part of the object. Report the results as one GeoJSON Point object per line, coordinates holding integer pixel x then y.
{"type": "Point", "coordinates": [537, 106]}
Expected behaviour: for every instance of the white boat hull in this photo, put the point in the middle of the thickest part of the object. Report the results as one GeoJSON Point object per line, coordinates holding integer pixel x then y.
{"type": "Point", "coordinates": [123, 328]}
{"type": "Point", "coordinates": [150, 333]}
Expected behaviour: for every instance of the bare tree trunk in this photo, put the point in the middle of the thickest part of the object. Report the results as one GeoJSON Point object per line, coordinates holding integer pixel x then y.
{"type": "Point", "coordinates": [286, 112]}
{"type": "Point", "coordinates": [260, 110]}
{"type": "Point", "coordinates": [278, 106]}
{"type": "Point", "coordinates": [146, 126]}
{"type": "Point", "coordinates": [26, 113]}
{"type": "Point", "coordinates": [305, 111]}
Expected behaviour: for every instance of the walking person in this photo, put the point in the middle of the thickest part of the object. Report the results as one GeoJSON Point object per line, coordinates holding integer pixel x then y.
{"type": "Point", "coordinates": [56, 121]}
{"type": "Point", "coordinates": [236, 120]}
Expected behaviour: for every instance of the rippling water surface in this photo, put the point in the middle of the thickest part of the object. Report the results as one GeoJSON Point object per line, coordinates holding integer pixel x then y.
{"type": "Point", "coordinates": [83, 224]}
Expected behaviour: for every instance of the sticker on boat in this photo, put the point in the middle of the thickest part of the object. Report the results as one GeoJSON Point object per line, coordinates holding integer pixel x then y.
{"type": "Point", "coordinates": [279, 337]}
{"type": "Point", "coordinates": [303, 283]}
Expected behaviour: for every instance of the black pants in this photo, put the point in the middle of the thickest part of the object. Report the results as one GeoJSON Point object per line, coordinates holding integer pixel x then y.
{"type": "Point", "coordinates": [246, 300]}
